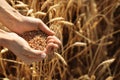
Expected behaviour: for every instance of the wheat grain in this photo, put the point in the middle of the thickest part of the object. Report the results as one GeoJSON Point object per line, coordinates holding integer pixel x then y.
{"type": "Point", "coordinates": [55, 19]}
{"type": "Point", "coordinates": [61, 58]}
{"type": "Point", "coordinates": [36, 39]}
{"type": "Point", "coordinates": [40, 13]}
{"type": "Point", "coordinates": [66, 23]}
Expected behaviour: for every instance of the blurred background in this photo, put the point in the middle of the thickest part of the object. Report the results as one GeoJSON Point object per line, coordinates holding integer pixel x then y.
{"type": "Point", "coordinates": [90, 34]}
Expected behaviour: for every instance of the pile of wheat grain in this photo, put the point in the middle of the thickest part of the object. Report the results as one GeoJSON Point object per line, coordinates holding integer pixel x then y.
{"type": "Point", "coordinates": [36, 39]}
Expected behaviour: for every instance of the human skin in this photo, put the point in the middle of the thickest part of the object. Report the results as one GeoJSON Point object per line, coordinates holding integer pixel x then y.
{"type": "Point", "coordinates": [18, 24]}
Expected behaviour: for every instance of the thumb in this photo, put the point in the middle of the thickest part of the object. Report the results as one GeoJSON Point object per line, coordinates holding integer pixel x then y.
{"type": "Point", "coordinates": [45, 29]}
{"type": "Point", "coordinates": [39, 54]}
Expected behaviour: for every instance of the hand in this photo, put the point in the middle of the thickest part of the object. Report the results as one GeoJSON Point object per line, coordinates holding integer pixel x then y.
{"type": "Point", "coordinates": [29, 24]}
{"type": "Point", "coordinates": [18, 23]}
{"type": "Point", "coordinates": [53, 43]}
{"type": "Point", "coordinates": [22, 49]}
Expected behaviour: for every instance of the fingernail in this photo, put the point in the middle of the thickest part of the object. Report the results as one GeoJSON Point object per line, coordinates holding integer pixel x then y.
{"type": "Point", "coordinates": [43, 55]}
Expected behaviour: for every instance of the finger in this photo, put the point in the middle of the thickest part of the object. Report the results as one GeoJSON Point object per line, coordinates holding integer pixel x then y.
{"type": "Point", "coordinates": [30, 59]}
{"type": "Point", "coordinates": [39, 54]}
{"type": "Point", "coordinates": [36, 55]}
{"type": "Point", "coordinates": [52, 45]}
{"type": "Point", "coordinates": [33, 56]}
{"type": "Point", "coordinates": [50, 48]}
{"type": "Point", "coordinates": [53, 39]}
{"type": "Point", "coordinates": [45, 28]}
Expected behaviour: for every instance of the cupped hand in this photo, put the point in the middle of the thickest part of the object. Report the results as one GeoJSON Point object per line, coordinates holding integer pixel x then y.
{"type": "Point", "coordinates": [53, 43]}
{"type": "Point", "coordinates": [21, 48]}
{"type": "Point", "coordinates": [29, 24]}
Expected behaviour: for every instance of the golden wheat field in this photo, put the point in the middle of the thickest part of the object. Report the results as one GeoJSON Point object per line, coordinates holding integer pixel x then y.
{"type": "Point", "coordinates": [90, 34]}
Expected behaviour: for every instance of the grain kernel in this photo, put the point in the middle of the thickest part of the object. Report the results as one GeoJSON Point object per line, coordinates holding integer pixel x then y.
{"type": "Point", "coordinates": [36, 39]}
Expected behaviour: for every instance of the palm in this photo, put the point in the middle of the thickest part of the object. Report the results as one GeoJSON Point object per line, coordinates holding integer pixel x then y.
{"type": "Point", "coordinates": [22, 49]}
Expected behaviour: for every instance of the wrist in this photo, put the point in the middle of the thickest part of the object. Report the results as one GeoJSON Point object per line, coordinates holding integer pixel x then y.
{"type": "Point", "coordinates": [9, 16]}
{"type": "Point", "coordinates": [15, 23]}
